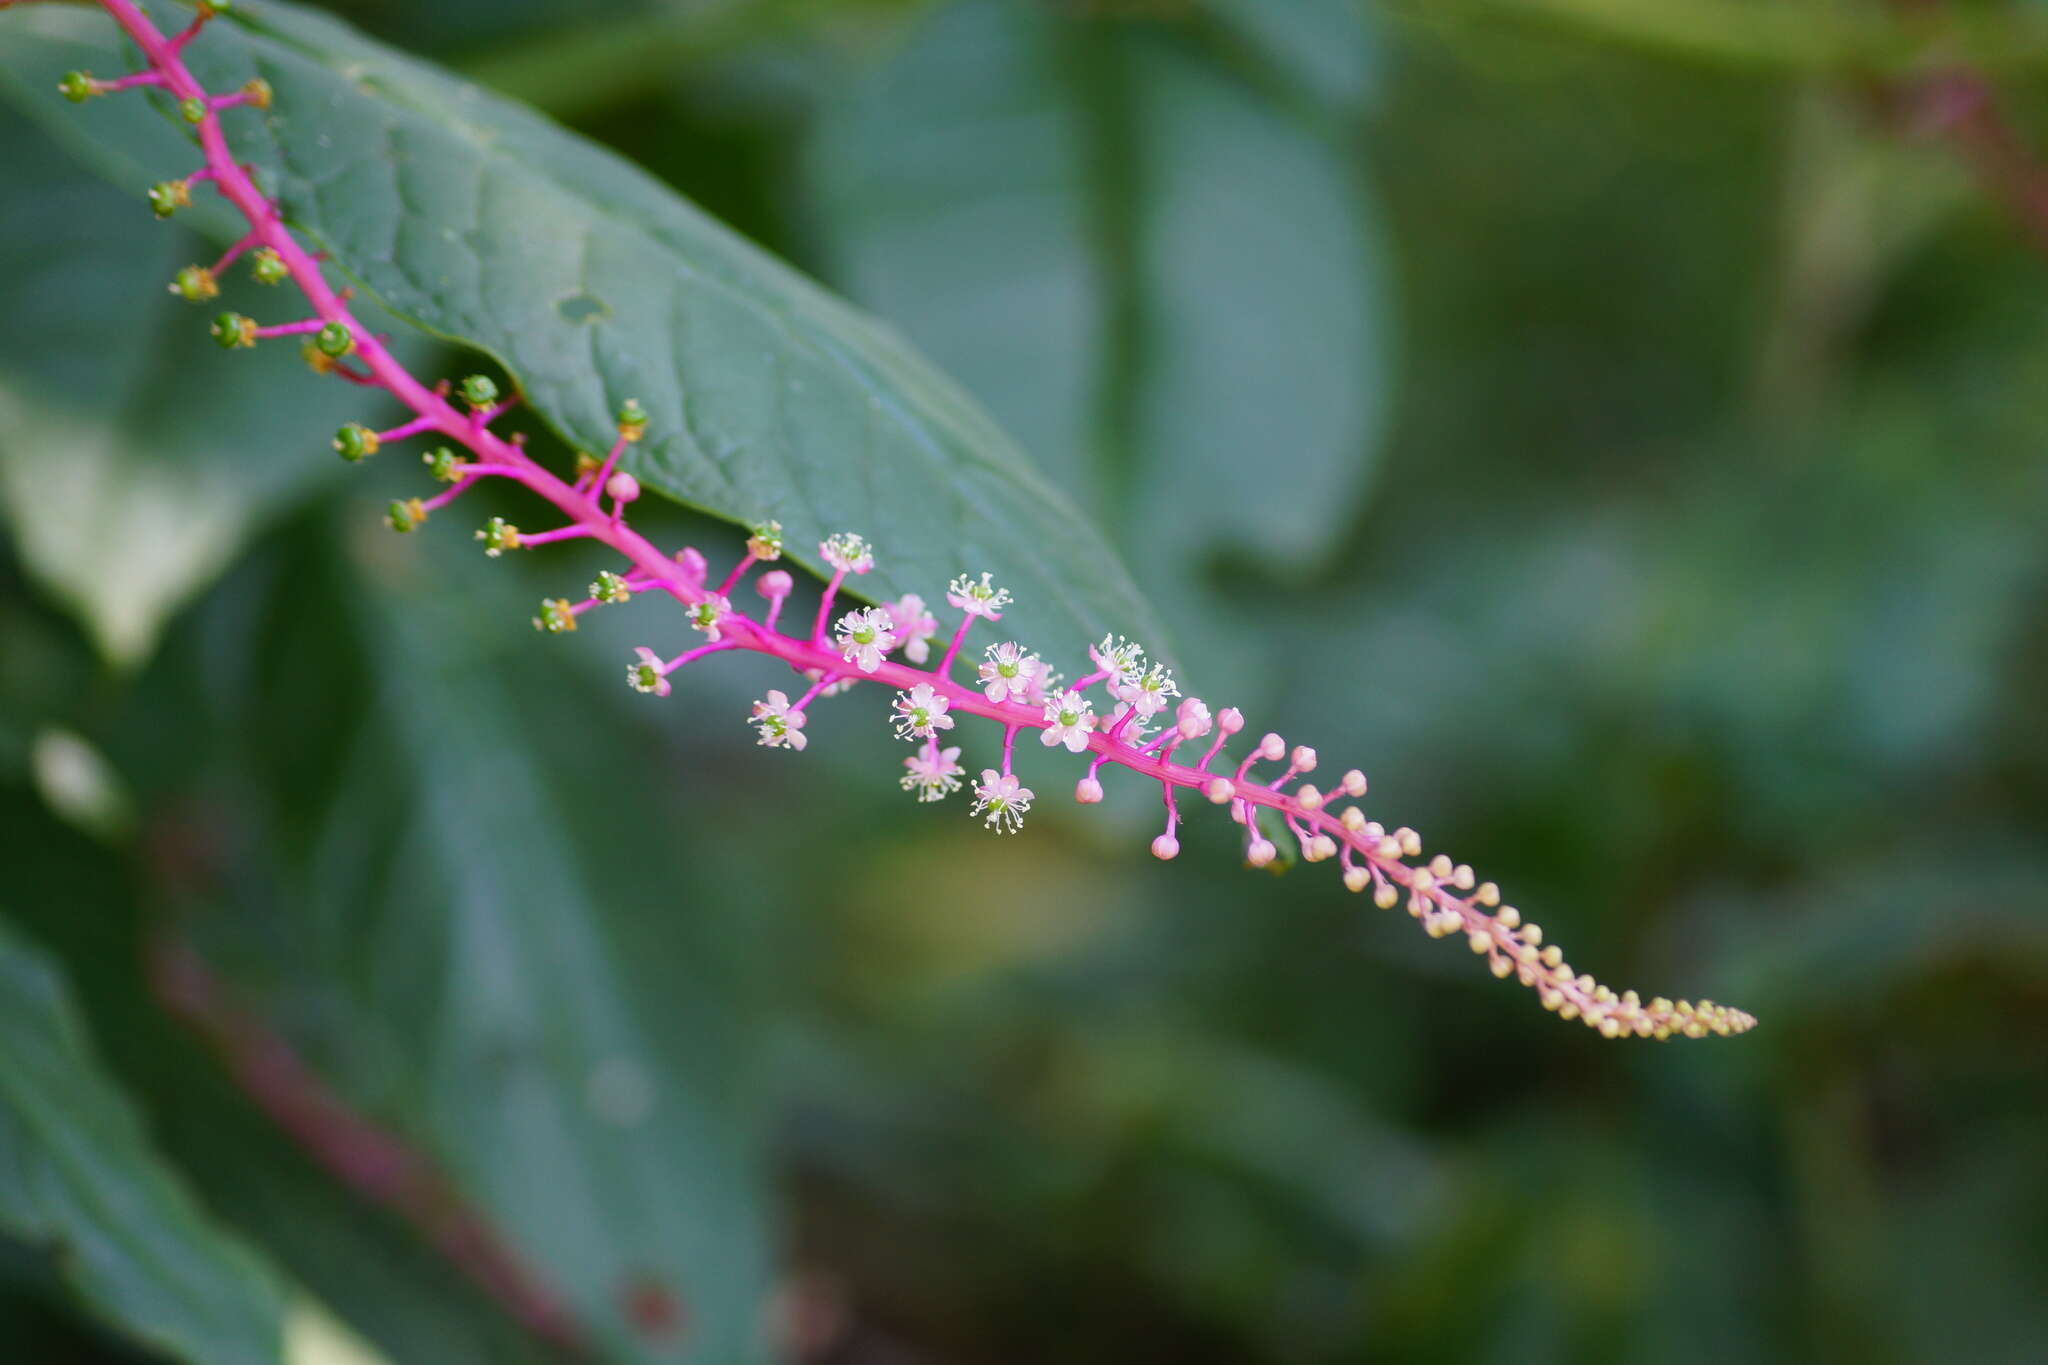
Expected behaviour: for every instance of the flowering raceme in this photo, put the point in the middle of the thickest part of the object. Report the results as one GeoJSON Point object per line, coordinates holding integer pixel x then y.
{"type": "Point", "coordinates": [1138, 721]}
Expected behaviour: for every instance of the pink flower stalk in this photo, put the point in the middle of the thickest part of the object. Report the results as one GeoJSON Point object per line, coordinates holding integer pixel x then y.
{"type": "Point", "coordinates": [1015, 689]}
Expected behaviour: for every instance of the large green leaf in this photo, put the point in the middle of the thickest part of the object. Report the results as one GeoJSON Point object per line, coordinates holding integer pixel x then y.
{"type": "Point", "coordinates": [427, 914]}
{"type": "Point", "coordinates": [483, 222]}
{"type": "Point", "coordinates": [78, 1178]}
{"type": "Point", "coordinates": [135, 458]}
{"type": "Point", "coordinates": [1184, 268]}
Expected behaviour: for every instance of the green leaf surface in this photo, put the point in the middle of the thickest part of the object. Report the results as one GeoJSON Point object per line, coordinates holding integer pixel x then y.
{"type": "Point", "coordinates": [592, 283]}
{"type": "Point", "coordinates": [433, 925]}
{"type": "Point", "coordinates": [78, 1178]}
{"type": "Point", "coordinates": [135, 457]}
{"type": "Point", "coordinates": [1184, 269]}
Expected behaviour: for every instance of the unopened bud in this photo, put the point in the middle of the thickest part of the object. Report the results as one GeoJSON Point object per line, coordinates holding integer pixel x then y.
{"type": "Point", "coordinates": [623, 487]}
{"type": "Point", "coordinates": [1220, 789]}
{"type": "Point", "coordinates": [1230, 720]}
{"type": "Point", "coordinates": [775, 584]}
{"type": "Point", "coordinates": [1166, 848]}
{"type": "Point", "coordinates": [1088, 791]}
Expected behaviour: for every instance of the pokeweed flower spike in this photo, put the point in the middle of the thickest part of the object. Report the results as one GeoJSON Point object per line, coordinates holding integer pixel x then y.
{"type": "Point", "coordinates": [1014, 689]}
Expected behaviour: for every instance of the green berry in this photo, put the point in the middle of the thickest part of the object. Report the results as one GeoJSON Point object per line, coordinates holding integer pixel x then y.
{"type": "Point", "coordinates": [610, 587]}
{"type": "Point", "coordinates": [355, 442]}
{"type": "Point", "coordinates": [234, 331]}
{"type": "Point", "coordinates": [195, 283]}
{"type": "Point", "coordinates": [166, 197]}
{"type": "Point", "coordinates": [268, 267]}
{"type": "Point", "coordinates": [478, 391]}
{"type": "Point", "coordinates": [334, 340]}
{"type": "Point", "coordinates": [78, 87]}
{"type": "Point", "coordinates": [444, 464]}
{"type": "Point", "coordinates": [405, 515]}
{"type": "Point", "coordinates": [632, 419]}
{"type": "Point", "coordinates": [192, 109]}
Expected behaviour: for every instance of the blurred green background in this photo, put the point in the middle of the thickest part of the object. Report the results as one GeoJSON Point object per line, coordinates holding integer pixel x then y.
{"type": "Point", "coordinates": [1617, 431]}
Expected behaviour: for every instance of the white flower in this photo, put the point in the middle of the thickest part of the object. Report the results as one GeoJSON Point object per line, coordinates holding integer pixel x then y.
{"type": "Point", "coordinates": [847, 553]}
{"type": "Point", "coordinates": [1069, 720]}
{"type": "Point", "coordinates": [1149, 691]}
{"type": "Point", "coordinates": [933, 773]}
{"type": "Point", "coordinates": [1011, 673]}
{"type": "Point", "coordinates": [921, 712]}
{"type": "Point", "coordinates": [916, 628]}
{"type": "Point", "coordinates": [865, 636]}
{"type": "Point", "coordinates": [704, 615]}
{"type": "Point", "coordinates": [1001, 801]}
{"type": "Point", "coordinates": [778, 726]}
{"type": "Point", "coordinates": [1120, 660]}
{"type": "Point", "coordinates": [982, 599]}
{"type": "Point", "coordinates": [645, 673]}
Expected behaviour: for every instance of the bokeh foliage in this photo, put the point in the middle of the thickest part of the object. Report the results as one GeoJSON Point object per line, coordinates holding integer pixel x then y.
{"type": "Point", "coordinates": [1688, 580]}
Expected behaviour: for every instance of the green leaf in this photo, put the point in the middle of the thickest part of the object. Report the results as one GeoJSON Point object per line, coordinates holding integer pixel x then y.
{"type": "Point", "coordinates": [483, 222]}
{"type": "Point", "coordinates": [135, 458]}
{"type": "Point", "coordinates": [1185, 271]}
{"type": "Point", "coordinates": [432, 920]}
{"type": "Point", "coordinates": [78, 1177]}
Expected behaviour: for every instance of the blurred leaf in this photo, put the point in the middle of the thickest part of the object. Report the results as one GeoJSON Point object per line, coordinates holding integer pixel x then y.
{"type": "Point", "coordinates": [77, 1177]}
{"type": "Point", "coordinates": [357, 1256]}
{"type": "Point", "coordinates": [416, 916]}
{"type": "Point", "coordinates": [1163, 282]}
{"type": "Point", "coordinates": [1325, 47]}
{"type": "Point", "coordinates": [135, 459]}
{"type": "Point", "coordinates": [592, 283]}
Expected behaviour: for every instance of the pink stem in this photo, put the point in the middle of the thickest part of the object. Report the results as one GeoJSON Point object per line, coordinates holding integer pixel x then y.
{"type": "Point", "coordinates": [945, 668]}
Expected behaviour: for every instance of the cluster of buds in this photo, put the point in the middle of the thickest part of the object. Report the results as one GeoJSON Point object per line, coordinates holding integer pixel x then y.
{"type": "Point", "coordinates": [1138, 721]}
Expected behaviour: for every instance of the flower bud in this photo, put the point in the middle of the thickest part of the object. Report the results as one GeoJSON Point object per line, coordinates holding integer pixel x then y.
{"type": "Point", "coordinates": [622, 486]}
{"type": "Point", "coordinates": [268, 267]}
{"type": "Point", "coordinates": [1192, 718]}
{"type": "Point", "coordinates": [1220, 789]}
{"type": "Point", "coordinates": [1304, 759]}
{"type": "Point", "coordinates": [1230, 720]}
{"type": "Point", "coordinates": [1166, 848]}
{"type": "Point", "coordinates": [694, 566]}
{"type": "Point", "coordinates": [334, 340]}
{"type": "Point", "coordinates": [775, 584]}
{"type": "Point", "coordinates": [1272, 747]}
{"type": "Point", "coordinates": [195, 283]}
{"type": "Point", "coordinates": [632, 420]}
{"type": "Point", "coordinates": [355, 442]}
{"type": "Point", "coordinates": [1261, 852]}
{"type": "Point", "coordinates": [1356, 878]}
{"type": "Point", "coordinates": [1310, 796]}
{"type": "Point", "coordinates": [478, 390]}
{"type": "Point", "coordinates": [1354, 783]}
{"type": "Point", "coordinates": [1088, 791]}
